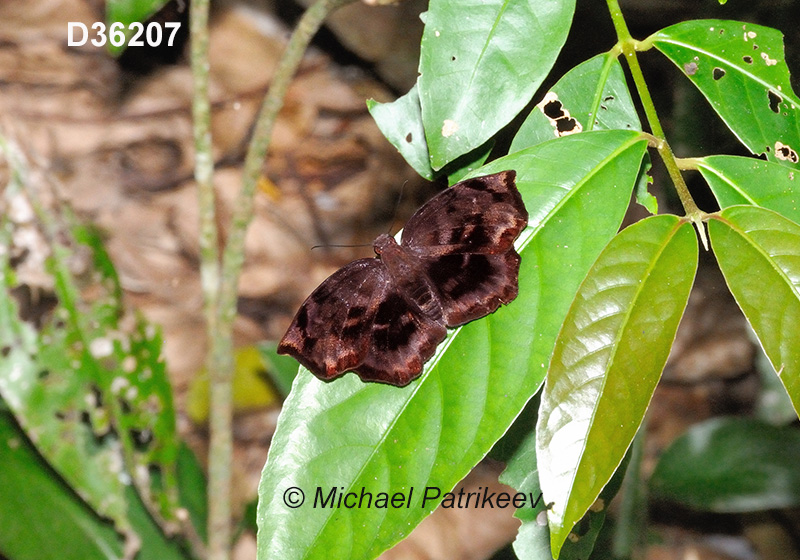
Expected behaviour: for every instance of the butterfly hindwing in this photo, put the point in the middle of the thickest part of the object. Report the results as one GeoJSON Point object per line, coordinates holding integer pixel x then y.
{"type": "Point", "coordinates": [402, 340]}
{"type": "Point", "coordinates": [473, 285]}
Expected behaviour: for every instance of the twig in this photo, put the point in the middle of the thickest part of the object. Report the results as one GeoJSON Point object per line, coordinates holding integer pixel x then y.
{"type": "Point", "coordinates": [220, 285]}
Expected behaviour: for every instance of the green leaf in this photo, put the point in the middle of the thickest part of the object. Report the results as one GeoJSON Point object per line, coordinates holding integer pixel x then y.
{"type": "Point", "coordinates": [466, 165]}
{"type": "Point", "coordinates": [740, 68]}
{"type": "Point", "coordinates": [40, 517]}
{"type": "Point", "coordinates": [281, 369]}
{"type": "Point", "coordinates": [595, 87]}
{"type": "Point", "coordinates": [758, 252]}
{"type": "Point", "coordinates": [731, 465]}
{"type": "Point", "coordinates": [127, 12]}
{"type": "Point", "coordinates": [94, 400]}
{"type": "Point", "coordinates": [533, 537]}
{"type": "Point", "coordinates": [607, 361]}
{"type": "Point", "coordinates": [643, 196]}
{"type": "Point", "coordinates": [352, 435]}
{"type": "Point", "coordinates": [773, 405]}
{"type": "Point", "coordinates": [742, 180]}
{"type": "Point", "coordinates": [401, 123]}
{"type": "Point", "coordinates": [192, 488]}
{"type": "Point", "coordinates": [480, 64]}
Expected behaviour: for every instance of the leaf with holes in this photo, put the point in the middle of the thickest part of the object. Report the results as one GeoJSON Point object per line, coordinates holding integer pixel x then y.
{"type": "Point", "coordinates": [401, 123]}
{"type": "Point", "coordinates": [740, 68]}
{"type": "Point", "coordinates": [607, 360]}
{"type": "Point", "coordinates": [743, 180]}
{"type": "Point", "coordinates": [759, 254]}
{"type": "Point", "coordinates": [595, 87]}
{"type": "Point", "coordinates": [94, 400]}
{"type": "Point", "coordinates": [468, 48]}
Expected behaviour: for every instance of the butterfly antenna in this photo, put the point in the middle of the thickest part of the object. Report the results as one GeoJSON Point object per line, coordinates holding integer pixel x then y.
{"type": "Point", "coordinates": [397, 206]}
{"type": "Point", "coordinates": [348, 246]}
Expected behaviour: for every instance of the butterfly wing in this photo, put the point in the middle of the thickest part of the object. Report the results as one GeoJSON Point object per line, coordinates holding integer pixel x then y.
{"type": "Point", "coordinates": [465, 238]}
{"type": "Point", "coordinates": [480, 215]}
{"type": "Point", "coordinates": [358, 320]}
{"type": "Point", "coordinates": [402, 339]}
{"type": "Point", "coordinates": [472, 285]}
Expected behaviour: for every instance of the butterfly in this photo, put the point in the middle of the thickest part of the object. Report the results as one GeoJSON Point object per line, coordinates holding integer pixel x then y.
{"type": "Point", "coordinates": [383, 317]}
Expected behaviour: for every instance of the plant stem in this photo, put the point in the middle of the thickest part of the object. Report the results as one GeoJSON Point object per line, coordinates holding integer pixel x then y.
{"type": "Point", "coordinates": [220, 281]}
{"type": "Point", "coordinates": [629, 46]}
{"type": "Point", "coordinates": [243, 212]}
{"type": "Point", "coordinates": [219, 509]}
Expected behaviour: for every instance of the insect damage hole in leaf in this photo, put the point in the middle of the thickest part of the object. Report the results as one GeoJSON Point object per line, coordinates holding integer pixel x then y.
{"type": "Point", "coordinates": [559, 117]}
{"type": "Point", "coordinates": [718, 73]}
{"type": "Point", "coordinates": [786, 153]}
{"type": "Point", "coordinates": [774, 101]}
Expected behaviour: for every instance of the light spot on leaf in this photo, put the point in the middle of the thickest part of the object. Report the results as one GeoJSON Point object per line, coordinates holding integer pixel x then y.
{"type": "Point", "coordinates": [118, 385]}
{"type": "Point", "coordinates": [598, 505]}
{"type": "Point", "coordinates": [541, 519]}
{"type": "Point", "coordinates": [690, 68]}
{"type": "Point", "coordinates": [768, 60]}
{"type": "Point", "coordinates": [101, 347]}
{"type": "Point", "coordinates": [449, 128]}
{"type": "Point", "coordinates": [129, 364]}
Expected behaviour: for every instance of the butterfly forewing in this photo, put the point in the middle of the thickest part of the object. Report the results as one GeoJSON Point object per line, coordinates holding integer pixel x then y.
{"type": "Point", "coordinates": [329, 333]}
{"type": "Point", "coordinates": [482, 215]}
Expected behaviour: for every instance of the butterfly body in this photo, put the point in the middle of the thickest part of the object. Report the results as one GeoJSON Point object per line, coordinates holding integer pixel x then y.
{"type": "Point", "coordinates": [384, 317]}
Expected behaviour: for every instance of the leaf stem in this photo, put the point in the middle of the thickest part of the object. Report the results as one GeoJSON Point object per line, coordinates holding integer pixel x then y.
{"type": "Point", "coordinates": [629, 47]}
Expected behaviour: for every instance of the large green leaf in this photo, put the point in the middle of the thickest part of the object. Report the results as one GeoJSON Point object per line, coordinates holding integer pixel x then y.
{"type": "Point", "coordinates": [731, 465]}
{"type": "Point", "coordinates": [758, 252]}
{"type": "Point", "coordinates": [94, 399]}
{"type": "Point", "coordinates": [595, 87]}
{"type": "Point", "coordinates": [40, 518]}
{"type": "Point", "coordinates": [742, 180]}
{"type": "Point", "coordinates": [533, 537]}
{"type": "Point", "coordinates": [352, 435]}
{"type": "Point", "coordinates": [480, 63]}
{"type": "Point", "coordinates": [606, 363]}
{"type": "Point", "coordinates": [740, 68]}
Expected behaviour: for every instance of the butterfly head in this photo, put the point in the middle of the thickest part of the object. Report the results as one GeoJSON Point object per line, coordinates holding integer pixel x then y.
{"type": "Point", "coordinates": [383, 243]}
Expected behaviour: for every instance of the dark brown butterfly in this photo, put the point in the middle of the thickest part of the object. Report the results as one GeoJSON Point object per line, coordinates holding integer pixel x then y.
{"type": "Point", "coordinates": [383, 317]}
